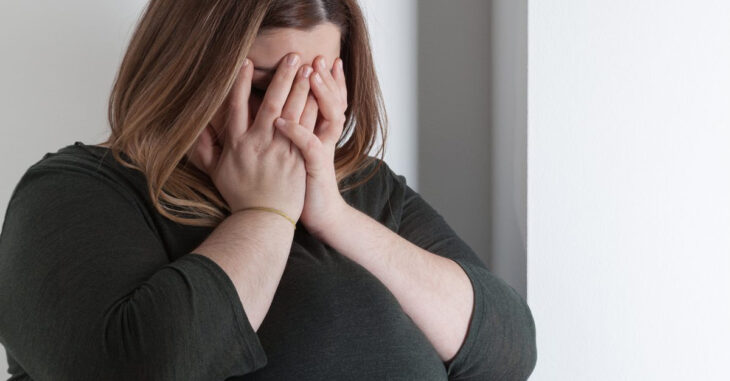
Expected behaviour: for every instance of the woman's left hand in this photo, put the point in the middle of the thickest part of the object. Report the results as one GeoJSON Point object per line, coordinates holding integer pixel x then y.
{"type": "Point", "coordinates": [316, 139]}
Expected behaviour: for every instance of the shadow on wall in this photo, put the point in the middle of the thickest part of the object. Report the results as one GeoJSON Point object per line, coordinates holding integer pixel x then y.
{"type": "Point", "coordinates": [472, 125]}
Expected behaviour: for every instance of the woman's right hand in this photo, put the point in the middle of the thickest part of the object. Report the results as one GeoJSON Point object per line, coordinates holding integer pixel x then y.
{"type": "Point", "coordinates": [257, 165]}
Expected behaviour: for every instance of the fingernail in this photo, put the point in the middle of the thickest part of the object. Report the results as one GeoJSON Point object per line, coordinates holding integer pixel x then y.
{"type": "Point", "coordinates": [317, 77]}
{"type": "Point", "coordinates": [279, 122]}
{"type": "Point", "coordinates": [245, 62]}
{"type": "Point", "coordinates": [323, 63]}
{"type": "Point", "coordinates": [339, 63]}
{"type": "Point", "coordinates": [306, 72]}
{"type": "Point", "coordinates": [293, 59]}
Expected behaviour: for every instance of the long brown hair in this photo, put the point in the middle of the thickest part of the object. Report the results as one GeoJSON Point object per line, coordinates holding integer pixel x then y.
{"type": "Point", "coordinates": [178, 69]}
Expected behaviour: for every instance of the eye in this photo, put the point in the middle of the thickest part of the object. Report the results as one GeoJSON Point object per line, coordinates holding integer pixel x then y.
{"type": "Point", "coordinates": [257, 91]}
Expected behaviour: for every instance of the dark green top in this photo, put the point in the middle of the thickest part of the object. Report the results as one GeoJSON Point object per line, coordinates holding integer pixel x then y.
{"type": "Point", "coordinates": [97, 285]}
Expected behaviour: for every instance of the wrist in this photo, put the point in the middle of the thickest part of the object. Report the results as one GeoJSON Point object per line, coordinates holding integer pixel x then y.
{"type": "Point", "coordinates": [270, 213]}
{"type": "Point", "coordinates": [336, 220]}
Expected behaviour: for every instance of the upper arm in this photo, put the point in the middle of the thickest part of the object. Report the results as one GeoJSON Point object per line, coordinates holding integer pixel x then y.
{"type": "Point", "coordinates": [500, 341]}
{"type": "Point", "coordinates": [424, 226]}
{"type": "Point", "coordinates": [86, 288]}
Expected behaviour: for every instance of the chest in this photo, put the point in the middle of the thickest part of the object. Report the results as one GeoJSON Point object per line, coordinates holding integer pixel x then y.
{"type": "Point", "coordinates": [331, 318]}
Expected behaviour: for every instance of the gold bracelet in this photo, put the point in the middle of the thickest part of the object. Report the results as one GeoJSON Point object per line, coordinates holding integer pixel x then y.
{"type": "Point", "coordinates": [277, 211]}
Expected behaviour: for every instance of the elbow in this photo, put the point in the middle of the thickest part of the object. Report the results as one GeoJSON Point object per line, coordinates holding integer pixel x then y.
{"type": "Point", "coordinates": [505, 334]}
{"type": "Point", "coordinates": [526, 342]}
{"type": "Point", "coordinates": [514, 335]}
{"type": "Point", "coordinates": [135, 344]}
{"type": "Point", "coordinates": [507, 347]}
{"type": "Point", "coordinates": [520, 344]}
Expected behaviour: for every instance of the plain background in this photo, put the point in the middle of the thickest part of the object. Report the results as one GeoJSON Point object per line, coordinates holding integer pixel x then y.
{"type": "Point", "coordinates": [579, 146]}
{"type": "Point", "coordinates": [628, 245]}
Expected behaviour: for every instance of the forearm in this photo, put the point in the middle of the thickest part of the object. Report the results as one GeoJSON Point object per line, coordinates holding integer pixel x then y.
{"type": "Point", "coordinates": [433, 290]}
{"type": "Point", "coordinates": [252, 247]}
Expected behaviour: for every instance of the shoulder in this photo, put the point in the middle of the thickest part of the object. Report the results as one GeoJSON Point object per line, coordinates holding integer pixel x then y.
{"type": "Point", "coordinates": [381, 195]}
{"type": "Point", "coordinates": [378, 173]}
{"type": "Point", "coordinates": [79, 170]}
{"type": "Point", "coordinates": [89, 159]}
{"type": "Point", "coordinates": [88, 163]}
{"type": "Point", "coordinates": [78, 183]}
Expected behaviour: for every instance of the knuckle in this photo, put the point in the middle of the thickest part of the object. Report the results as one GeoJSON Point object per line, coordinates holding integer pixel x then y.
{"type": "Point", "coordinates": [234, 102]}
{"type": "Point", "coordinates": [270, 107]}
{"type": "Point", "coordinates": [237, 144]}
{"type": "Point", "coordinates": [236, 107]}
{"type": "Point", "coordinates": [310, 146]}
{"type": "Point", "coordinates": [260, 146]}
{"type": "Point", "coordinates": [253, 143]}
{"type": "Point", "coordinates": [280, 149]}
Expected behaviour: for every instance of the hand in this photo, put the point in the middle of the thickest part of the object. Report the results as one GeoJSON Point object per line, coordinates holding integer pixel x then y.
{"type": "Point", "coordinates": [255, 165]}
{"type": "Point", "coordinates": [323, 203]}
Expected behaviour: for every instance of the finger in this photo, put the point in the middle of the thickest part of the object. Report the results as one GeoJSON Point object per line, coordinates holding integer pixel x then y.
{"type": "Point", "coordinates": [309, 115]}
{"type": "Point", "coordinates": [237, 123]}
{"type": "Point", "coordinates": [304, 140]}
{"type": "Point", "coordinates": [331, 103]}
{"type": "Point", "coordinates": [276, 94]}
{"type": "Point", "coordinates": [327, 99]}
{"type": "Point", "coordinates": [324, 71]}
{"type": "Point", "coordinates": [338, 74]}
{"type": "Point", "coordinates": [295, 102]}
{"type": "Point", "coordinates": [298, 95]}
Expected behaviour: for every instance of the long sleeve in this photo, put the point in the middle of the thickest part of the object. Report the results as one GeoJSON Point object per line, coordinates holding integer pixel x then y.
{"type": "Point", "coordinates": [500, 342]}
{"type": "Point", "coordinates": [87, 291]}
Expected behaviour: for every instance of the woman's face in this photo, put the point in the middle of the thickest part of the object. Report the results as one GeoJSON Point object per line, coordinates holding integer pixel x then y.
{"type": "Point", "coordinates": [270, 47]}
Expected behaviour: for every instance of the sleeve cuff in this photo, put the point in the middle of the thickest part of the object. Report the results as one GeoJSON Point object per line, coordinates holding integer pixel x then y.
{"type": "Point", "coordinates": [500, 343]}
{"type": "Point", "coordinates": [247, 336]}
{"type": "Point", "coordinates": [460, 361]}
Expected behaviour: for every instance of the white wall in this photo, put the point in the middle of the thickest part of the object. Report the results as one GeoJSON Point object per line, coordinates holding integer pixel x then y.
{"type": "Point", "coordinates": [629, 189]}
{"type": "Point", "coordinates": [58, 64]}
{"type": "Point", "coordinates": [59, 60]}
{"type": "Point", "coordinates": [392, 27]}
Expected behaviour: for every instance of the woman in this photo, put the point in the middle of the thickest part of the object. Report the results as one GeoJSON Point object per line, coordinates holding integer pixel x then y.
{"type": "Point", "coordinates": [203, 240]}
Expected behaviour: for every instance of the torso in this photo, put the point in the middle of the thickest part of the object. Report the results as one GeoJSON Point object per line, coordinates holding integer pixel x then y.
{"type": "Point", "coordinates": [330, 317]}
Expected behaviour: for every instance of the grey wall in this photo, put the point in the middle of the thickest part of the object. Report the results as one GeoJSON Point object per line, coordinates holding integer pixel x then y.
{"type": "Point", "coordinates": [509, 141]}
{"type": "Point", "coordinates": [472, 125]}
